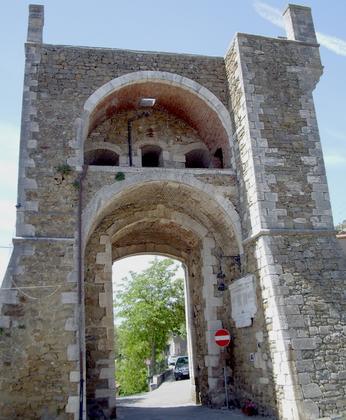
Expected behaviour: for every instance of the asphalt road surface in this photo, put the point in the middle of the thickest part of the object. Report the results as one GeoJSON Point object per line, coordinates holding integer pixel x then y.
{"type": "Point", "coordinates": [171, 401]}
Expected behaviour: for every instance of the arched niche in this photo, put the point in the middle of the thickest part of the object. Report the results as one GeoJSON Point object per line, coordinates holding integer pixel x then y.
{"type": "Point", "coordinates": [101, 157]}
{"type": "Point", "coordinates": [175, 95]}
{"type": "Point", "coordinates": [197, 158]}
{"type": "Point", "coordinates": [151, 156]}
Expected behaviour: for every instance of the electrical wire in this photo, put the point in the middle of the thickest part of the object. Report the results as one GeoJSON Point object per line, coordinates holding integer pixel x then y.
{"type": "Point", "coordinates": [20, 289]}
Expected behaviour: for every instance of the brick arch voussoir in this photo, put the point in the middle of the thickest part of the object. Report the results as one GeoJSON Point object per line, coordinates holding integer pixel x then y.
{"type": "Point", "coordinates": [96, 209]}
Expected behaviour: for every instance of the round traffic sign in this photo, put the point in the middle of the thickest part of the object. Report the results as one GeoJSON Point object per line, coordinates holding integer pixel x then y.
{"type": "Point", "coordinates": [222, 337]}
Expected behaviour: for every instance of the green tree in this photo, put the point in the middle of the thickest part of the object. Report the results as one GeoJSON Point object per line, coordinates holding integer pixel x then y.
{"type": "Point", "coordinates": [150, 306]}
{"type": "Point", "coordinates": [341, 227]}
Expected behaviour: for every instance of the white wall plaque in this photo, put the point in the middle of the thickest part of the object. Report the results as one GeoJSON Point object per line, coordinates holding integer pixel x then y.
{"type": "Point", "coordinates": [243, 300]}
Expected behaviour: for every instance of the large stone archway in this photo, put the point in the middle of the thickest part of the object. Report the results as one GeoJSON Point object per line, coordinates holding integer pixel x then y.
{"type": "Point", "coordinates": [254, 197]}
{"type": "Point", "coordinates": [168, 218]}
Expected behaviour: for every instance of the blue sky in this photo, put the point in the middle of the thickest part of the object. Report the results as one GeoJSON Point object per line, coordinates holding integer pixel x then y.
{"type": "Point", "coordinates": [188, 26]}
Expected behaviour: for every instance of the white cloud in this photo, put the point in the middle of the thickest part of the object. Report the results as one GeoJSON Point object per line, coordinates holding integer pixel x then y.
{"type": "Point", "coordinates": [334, 160]}
{"type": "Point", "coordinates": [269, 13]}
{"type": "Point", "coordinates": [337, 45]}
{"type": "Point", "coordinates": [274, 16]}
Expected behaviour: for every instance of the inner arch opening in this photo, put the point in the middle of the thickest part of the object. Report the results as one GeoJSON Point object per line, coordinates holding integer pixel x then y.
{"type": "Point", "coordinates": [154, 285]}
{"type": "Point", "coordinates": [161, 218]}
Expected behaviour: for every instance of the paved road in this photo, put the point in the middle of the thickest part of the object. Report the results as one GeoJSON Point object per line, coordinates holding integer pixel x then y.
{"type": "Point", "coordinates": [171, 401]}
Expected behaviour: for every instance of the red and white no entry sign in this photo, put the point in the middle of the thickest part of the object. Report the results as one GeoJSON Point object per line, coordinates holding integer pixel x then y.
{"type": "Point", "coordinates": [222, 337]}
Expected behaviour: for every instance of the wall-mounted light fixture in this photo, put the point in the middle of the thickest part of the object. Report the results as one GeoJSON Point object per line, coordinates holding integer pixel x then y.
{"type": "Point", "coordinates": [221, 287]}
{"type": "Point", "coordinates": [147, 102]}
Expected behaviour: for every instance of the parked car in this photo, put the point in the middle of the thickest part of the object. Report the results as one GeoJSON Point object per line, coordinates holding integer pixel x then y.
{"type": "Point", "coordinates": [172, 360]}
{"type": "Point", "coordinates": [181, 368]}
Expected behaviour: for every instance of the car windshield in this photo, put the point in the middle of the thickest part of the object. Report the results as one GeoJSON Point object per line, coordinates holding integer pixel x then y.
{"type": "Point", "coordinates": [182, 361]}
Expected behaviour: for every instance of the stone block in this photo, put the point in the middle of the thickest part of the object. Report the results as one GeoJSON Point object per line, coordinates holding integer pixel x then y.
{"type": "Point", "coordinates": [69, 298]}
{"type": "Point", "coordinates": [74, 376]}
{"type": "Point", "coordinates": [311, 410]}
{"type": "Point", "coordinates": [72, 405]}
{"type": "Point", "coordinates": [72, 352]}
{"type": "Point", "coordinates": [107, 373]}
{"type": "Point", "coordinates": [9, 297]}
{"type": "Point", "coordinates": [303, 343]}
{"type": "Point", "coordinates": [72, 277]}
{"type": "Point", "coordinates": [294, 300]}
{"type": "Point", "coordinates": [297, 321]}
{"type": "Point", "coordinates": [304, 378]}
{"type": "Point", "coordinates": [103, 300]}
{"type": "Point", "coordinates": [71, 324]}
{"type": "Point", "coordinates": [342, 374]}
{"type": "Point", "coordinates": [102, 258]}
{"type": "Point", "coordinates": [104, 393]}
{"type": "Point", "coordinates": [311, 391]}
{"type": "Point", "coordinates": [5, 321]}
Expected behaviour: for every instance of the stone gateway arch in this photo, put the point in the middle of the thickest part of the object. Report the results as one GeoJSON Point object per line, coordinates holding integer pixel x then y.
{"type": "Point", "coordinates": [214, 161]}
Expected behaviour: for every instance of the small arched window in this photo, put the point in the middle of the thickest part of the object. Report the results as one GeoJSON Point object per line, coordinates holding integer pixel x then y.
{"type": "Point", "coordinates": [101, 157]}
{"type": "Point", "coordinates": [218, 159]}
{"type": "Point", "coordinates": [197, 158]}
{"type": "Point", "coordinates": [151, 156]}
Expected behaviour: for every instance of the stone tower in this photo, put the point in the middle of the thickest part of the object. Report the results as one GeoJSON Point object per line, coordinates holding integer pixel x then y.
{"type": "Point", "coordinates": [215, 161]}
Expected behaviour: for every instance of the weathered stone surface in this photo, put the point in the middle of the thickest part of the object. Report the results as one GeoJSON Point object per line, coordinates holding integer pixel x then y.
{"type": "Point", "coordinates": [311, 391]}
{"type": "Point", "coordinates": [256, 204]}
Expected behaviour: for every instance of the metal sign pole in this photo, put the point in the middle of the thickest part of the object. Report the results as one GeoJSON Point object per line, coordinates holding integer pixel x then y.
{"type": "Point", "coordinates": [148, 362]}
{"type": "Point", "coordinates": [226, 390]}
{"type": "Point", "coordinates": [222, 338]}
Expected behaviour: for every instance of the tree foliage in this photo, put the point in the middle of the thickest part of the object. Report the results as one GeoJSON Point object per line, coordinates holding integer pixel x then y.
{"type": "Point", "coordinates": [150, 306]}
{"type": "Point", "coordinates": [341, 227]}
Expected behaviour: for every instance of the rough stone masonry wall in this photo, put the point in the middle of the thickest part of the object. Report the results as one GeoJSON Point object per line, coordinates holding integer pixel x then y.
{"type": "Point", "coordinates": [171, 134]}
{"type": "Point", "coordinates": [282, 186]}
{"type": "Point", "coordinates": [312, 285]}
{"type": "Point", "coordinates": [58, 81]}
{"type": "Point", "coordinates": [284, 193]}
{"type": "Point", "coordinates": [38, 324]}
{"type": "Point", "coordinates": [251, 376]}
{"type": "Point", "coordinates": [38, 297]}
{"type": "Point", "coordinates": [282, 165]}
{"type": "Point", "coordinates": [99, 327]}
{"type": "Point", "coordinates": [66, 77]}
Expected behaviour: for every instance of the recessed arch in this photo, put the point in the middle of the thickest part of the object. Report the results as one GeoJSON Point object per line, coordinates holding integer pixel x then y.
{"type": "Point", "coordinates": [197, 158]}
{"type": "Point", "coordinates": [213, 202]}
{"type": "Point", "coordinates": [103, 145]}
{"type": "Point", "coordinates": [148, 249]}
{"type": "Point", "coordinates": [133, 224]}
{"type": "Point", "coordinates": [151, 156]}
{"type": "Point", "coordinates": [101, 157]}
{"type": "Point", "coordinates": [180, 95]}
